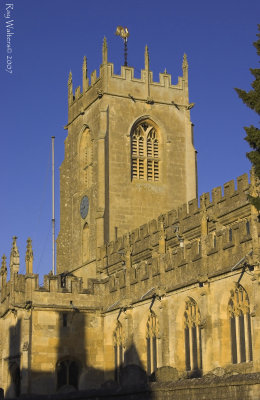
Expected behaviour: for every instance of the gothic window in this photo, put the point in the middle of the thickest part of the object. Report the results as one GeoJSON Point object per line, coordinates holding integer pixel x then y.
{"type": "Point", "coordinates": [151, 343]}
{"type": "Point", "coordinates": [240, 326]}
{"type": "Point", "coordinates": [145, 152]}
{"type": "Point", "coordinates": [192, 333]}
{"type": "Point", "coordinates": [67, 373]}
{"type": "Point", "coordinates": [118, 350]}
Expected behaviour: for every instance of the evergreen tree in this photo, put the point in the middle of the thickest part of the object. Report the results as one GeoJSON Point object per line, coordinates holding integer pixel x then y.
{"type": "Point", "coordinates": [252, 100]}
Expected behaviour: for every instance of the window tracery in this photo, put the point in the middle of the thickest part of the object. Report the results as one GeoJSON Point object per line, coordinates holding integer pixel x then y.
{"type": "Point", "coordinates": [240, 326]}
{"type": "Point", "coordinates": [67, 373]}
{"type": "Point", "coordinates": [152, 342]}
{"type": "Point", "coordinates": [192, 333]}
{"type": "Point", "coordinates": [145, 152]}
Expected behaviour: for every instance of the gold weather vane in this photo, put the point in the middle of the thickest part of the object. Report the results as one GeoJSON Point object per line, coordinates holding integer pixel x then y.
{"type": "Point", "coordinates": [124, 34]}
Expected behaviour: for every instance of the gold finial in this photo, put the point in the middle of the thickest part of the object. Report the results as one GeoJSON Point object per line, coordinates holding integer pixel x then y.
{"type": "Point", "coordinates": [124, 34]}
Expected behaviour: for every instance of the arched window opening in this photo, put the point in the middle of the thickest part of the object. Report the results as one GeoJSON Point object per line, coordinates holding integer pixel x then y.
{"type": "Point", "coordinates": [145, 152]}
{"type": "Point", "coordinates": [67, 373]}
{"type": "Point", "coordinates": [118, 350]}
{"type": "Point", "coordinates": [240, 326]}
{"type": "Point", "coordinates": [152, 343]}
{"type": "Point", "coordinates": [192, 336]}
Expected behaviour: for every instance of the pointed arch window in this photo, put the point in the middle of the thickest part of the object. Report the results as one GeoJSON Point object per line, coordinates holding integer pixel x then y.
{"type": "Point", "coordinates": [240, 326]}
{"type": "Point", "coordinates": [118, 350]}
{"type": "Point", "coordinates": [145, 152]}
{"type": "Point", "coordinates": [67, 373]}
{"type": "Point", "coordinates": [152, 342]}
{"type": "Point", "coordinates": [192, 333]}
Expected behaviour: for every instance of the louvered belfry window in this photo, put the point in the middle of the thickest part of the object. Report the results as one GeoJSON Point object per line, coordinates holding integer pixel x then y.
{"type": "Point", "coordinates": [145, 152]}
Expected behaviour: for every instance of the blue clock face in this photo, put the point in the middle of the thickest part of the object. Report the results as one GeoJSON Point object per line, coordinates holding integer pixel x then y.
{"type": "Point", "coordinates": [84, 206]}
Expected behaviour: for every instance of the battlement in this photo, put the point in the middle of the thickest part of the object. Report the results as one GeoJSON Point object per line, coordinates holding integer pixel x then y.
{"type": "Point", "coordinates": [126, 85]}
{"type": "Point", "coordinates": [183, 246]}
{"type": "Point", "coordinates": [187, 217]}
{"type": "Point", "coordinates": [178, 248]}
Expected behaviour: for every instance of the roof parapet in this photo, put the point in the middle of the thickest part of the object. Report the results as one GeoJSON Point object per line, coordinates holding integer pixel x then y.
{"type": "Point", "coordinates": [107, 81]}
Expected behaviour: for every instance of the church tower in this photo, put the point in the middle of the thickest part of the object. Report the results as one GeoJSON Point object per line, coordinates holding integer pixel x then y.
{"type": "Point", "coordinates": [129, 156]}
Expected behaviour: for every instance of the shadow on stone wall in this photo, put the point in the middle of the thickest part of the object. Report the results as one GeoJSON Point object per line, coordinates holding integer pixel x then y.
{"type": "Point", "coordinates": [71, 377]}
{"type": "Point", "coordinates": [13, 361]}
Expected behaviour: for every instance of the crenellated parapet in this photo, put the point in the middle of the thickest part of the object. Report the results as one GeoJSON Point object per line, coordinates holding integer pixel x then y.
{"type": "Point", "coordinates": [23, 290]}
{"type": "Point", "coordinates": [189, 245]}
{"type": "Point", "coordinates": [126, 85]}
{"type": "Point", "coordinates": [185, 246]}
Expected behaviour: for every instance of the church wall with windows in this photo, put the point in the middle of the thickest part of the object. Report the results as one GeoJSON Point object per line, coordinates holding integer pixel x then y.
{"type": "Point", "coordinates": [148, 275]}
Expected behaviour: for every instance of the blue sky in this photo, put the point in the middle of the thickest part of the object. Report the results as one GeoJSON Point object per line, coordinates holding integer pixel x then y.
{"type": "Point", "coordinates": [52, 36]}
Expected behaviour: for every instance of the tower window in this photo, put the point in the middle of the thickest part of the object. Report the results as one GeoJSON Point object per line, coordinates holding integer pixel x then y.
{"type": "Point", "coordinates": [145, 152]}
{"type": "Point", "coordinates": [240, 327]}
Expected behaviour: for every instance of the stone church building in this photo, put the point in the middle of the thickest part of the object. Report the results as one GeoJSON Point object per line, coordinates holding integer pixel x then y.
{"type": "Point", "coordinates": [156, 293]}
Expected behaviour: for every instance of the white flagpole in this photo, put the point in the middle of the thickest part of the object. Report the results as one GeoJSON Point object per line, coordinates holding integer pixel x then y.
{"type": "Point", "coordinates": [53, 210]}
